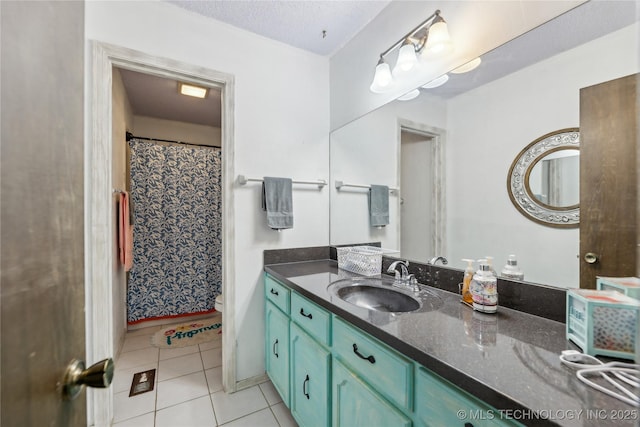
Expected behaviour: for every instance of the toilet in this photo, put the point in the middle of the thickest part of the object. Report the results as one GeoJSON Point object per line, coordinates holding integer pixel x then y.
{"type": "Point", "coordinates": [219, 303]}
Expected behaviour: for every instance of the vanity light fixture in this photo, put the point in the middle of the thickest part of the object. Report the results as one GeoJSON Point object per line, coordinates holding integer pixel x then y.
{"type": "Point", "coordinates": [465, 68]}
{"type": "Point", "coordinates": [195, 91]}
{"type": "Point", "coordinates": [429, 38]}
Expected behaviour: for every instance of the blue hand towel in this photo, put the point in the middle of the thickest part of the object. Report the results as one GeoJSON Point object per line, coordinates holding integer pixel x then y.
{"type": "Point", "coordinates": [277, 201]}
{"type": "Point", "coordinates": [379, 205]}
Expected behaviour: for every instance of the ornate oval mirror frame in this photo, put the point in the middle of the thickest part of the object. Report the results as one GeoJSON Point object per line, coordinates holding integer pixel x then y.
{"type": "Point", "coordinates": [518, 180]}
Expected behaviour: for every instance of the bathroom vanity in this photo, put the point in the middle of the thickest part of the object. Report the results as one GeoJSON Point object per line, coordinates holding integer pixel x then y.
{"type": "Point", "coordinates": [338, 364]}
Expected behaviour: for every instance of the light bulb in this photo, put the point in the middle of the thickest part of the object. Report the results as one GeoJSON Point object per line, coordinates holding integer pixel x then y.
{"type": "Point", "coordinates": [406, 57]}
{"type": "Point", "coordinates": [382, 78]}
{"type": "Point", "coordinates": [438, 40]}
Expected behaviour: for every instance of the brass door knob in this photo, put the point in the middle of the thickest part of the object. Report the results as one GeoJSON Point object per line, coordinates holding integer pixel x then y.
{"type": "Point", "coordinates": [591, 258]}
{"type": "Point", "coordinates": [76, 377]}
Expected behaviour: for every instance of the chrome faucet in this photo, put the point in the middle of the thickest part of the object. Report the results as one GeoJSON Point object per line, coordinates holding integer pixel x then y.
{"type": "Point", "coordinates": [435, 259]}
{"type": "Point", "coordinates": [403, 277]}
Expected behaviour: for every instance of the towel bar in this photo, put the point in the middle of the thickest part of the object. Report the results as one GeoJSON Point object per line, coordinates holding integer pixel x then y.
{"type": "Point", "coordinates": [242, 180]}
{"type": "Point", "coordinates": [340, 184]}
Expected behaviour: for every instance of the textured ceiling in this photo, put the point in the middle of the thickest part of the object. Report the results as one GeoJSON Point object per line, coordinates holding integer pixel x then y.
{"type": "Point", "coordinates": [297, 23]}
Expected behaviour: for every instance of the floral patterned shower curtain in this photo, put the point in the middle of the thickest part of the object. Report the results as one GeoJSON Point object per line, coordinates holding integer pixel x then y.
{"type": "Point", "coordinates": [177, 256]}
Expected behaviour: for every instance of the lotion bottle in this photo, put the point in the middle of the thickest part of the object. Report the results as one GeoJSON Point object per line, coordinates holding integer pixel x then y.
{"type": "Point", "coordinates": [466, 281]}
{"type": "Point", "coordinates": [511, 269]}
{"type": "Point", "coordinates": [484, 289]}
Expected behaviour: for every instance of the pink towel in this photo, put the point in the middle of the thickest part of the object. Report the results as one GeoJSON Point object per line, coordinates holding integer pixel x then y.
{"type": "Point", "coordinates": [125, 232]}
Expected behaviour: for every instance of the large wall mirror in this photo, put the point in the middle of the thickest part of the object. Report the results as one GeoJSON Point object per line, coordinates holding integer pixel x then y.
{"type": "Point", "coordinates": [450, 149]}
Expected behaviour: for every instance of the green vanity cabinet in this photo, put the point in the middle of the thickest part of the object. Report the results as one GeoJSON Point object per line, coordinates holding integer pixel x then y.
{"type": "Point", "coordinates": [440, 403]}
{"type": "Point", "coordinates": [356, 404]}
{"type": "Point", "coordinates": [331, 373]}
{"type": "Point", "coordinates": [310, 380]}
{"type": "Point", "coordinates": [277, 350]}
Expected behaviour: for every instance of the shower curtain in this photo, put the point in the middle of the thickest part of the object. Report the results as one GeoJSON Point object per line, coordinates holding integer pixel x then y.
{"type": "Point", "coordinates": [177, 257]}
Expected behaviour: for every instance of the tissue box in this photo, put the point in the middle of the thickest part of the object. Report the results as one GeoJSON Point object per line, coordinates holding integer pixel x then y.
{"type": "Point", "coordinates": [603, 322]}
{"type": "Point", "coordinates": [629, 286]}
{"type": "Point", "coordinates": [365, 260]}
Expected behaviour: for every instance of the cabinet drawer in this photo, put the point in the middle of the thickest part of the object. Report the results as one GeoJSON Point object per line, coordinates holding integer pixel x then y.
{"type": "Point", "coordinates": [381, 367]}
{"type": "Point", "coordinates": [312, 318]}
{"type": "Point", "coordinates": [438, 403]}
{"type": "Point", "coordinates": [277, 293]}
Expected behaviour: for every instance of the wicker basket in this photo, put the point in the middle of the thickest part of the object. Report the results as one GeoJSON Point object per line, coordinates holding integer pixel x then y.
{"type": "Point", "coordinates": [365, 260]}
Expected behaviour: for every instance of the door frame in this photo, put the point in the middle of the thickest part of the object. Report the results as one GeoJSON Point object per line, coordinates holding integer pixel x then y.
{"type": "Point", "coordinates": [437, 165]}
{"type": "Point", "coordinates": [100, 225]}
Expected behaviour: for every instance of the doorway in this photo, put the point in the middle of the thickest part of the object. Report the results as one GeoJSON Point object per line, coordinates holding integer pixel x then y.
{"type": "Point", "coordinates": [421, 177]}
{"type": "Point", "coordinates": [169, 164]}
{"type": "Point", "coordinates": [101, 315]}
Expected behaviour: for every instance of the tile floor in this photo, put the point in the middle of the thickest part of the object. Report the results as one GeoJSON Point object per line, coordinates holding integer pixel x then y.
{"type": "Point", "coordinates": [188, 389]}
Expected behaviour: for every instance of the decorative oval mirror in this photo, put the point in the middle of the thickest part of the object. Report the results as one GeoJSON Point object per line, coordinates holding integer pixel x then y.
{"type": "Point", "coordinates": [544, 179]}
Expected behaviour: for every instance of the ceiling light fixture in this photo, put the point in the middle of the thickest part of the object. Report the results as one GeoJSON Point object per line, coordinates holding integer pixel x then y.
{"type": "Point", "coordinates": [430, 38]}
{"type": "Point", "coordinates": [195, 91]}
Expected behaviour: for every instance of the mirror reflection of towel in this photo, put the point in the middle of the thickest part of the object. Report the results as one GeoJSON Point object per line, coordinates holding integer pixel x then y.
{"type": "Point", "coordinates": [277, 201]}
{"type": "Point", "coordinates": [379, 205]}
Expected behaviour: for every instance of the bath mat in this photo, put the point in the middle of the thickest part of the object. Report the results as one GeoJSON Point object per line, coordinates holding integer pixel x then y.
{"type": "Point", "coordinates": [190, 333]}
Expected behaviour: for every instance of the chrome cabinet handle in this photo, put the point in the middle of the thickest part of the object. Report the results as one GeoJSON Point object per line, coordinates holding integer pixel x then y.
{"type": "Point", "coordinates": [304, 386]}
{"type": "Point", "coordinates": [306, 315]}
{"type": "Point", "coordinates": [274, 292]}
{"type": "Point", "coordinates": [370, 358]}
{"type": "Point", "coordinates": [591, 258]}
{"type": "Point", "coordinates": [274, 348]}
{"type": "Point", "coordinates": [76, 377]}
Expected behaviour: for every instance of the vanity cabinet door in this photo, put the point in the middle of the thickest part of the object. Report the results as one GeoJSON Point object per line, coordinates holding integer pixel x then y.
{"type": "Point", "coordinates": [440, 403]}
{"type": "Point", "coordinates": [277, 350]}
{"type": "Point", "coordinates": [376, 363]}
{"type": "Point", "coordinates": [356, 405]}
{"type": "Point", "coordinates": [310, 380]}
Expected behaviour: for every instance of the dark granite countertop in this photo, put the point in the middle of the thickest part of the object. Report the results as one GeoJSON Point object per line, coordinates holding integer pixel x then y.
{"type": "Point", "coordinates": [509, 359]}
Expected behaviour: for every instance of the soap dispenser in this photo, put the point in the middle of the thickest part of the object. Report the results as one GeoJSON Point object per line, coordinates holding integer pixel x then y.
{"type": "Point", "coordinates": [511, 269]}
{"type": "Point", "coordinates": [466, 282]}
{"type": "Point", "coordinates": [490, 262]}
{"type": "Point", "coordinates": [484, 289]}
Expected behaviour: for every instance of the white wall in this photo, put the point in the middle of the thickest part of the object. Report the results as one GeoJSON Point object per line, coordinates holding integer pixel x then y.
{"type": "Point", "coordinates": [487, 129]}
{"type": "Point", "coordinates": [475, 26]}
{"type": "Point", "coordinates": [366, 152]}
{"type": "Point", "coordinates": [151, 127]}
{"type": "Point", "coordinates": [121, 122]}
{"type": "Point", "coordinates": [281, 129]}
